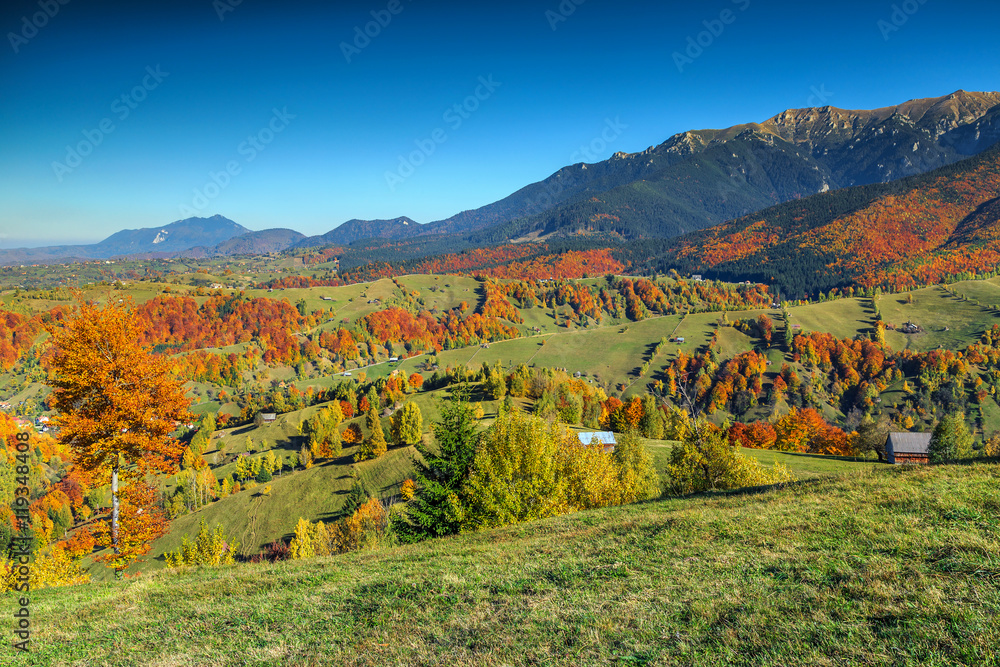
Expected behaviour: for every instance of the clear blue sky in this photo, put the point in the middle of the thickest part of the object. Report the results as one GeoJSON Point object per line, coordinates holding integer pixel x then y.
{"type": "Point", "coordinates": [352, 120]}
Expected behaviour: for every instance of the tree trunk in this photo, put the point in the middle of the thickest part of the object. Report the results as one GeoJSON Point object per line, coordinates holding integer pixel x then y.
{"type": "Point", "coordinates": [114, 513]}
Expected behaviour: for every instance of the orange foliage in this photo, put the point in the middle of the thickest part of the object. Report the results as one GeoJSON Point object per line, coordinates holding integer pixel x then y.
{"type": "Point", "coordinates": [758, 435]}
{"type": "Point", "coordinates": [142, 521]}
{"type": "Point", "coordinates": [179, 324]}
{"type": "Point", "coordinates": [351, 435]}
{"type": "Point", "coordinates": [81, 544]}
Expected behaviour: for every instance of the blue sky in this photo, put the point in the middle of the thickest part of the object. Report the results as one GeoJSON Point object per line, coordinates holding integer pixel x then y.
{"type": "Point", "coordinates": [261, 116]}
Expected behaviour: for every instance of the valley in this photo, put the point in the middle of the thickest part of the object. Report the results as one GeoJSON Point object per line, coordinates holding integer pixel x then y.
{"type": "Point", "coordinates": [655, 409]}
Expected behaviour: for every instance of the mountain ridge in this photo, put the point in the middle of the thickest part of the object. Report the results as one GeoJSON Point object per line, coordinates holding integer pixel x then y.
{"type": "Point", "coordinates": [165, 240]}
{"type": "Point", "coordinates": [692, 181]}
{"type": "Point", "coordinates": [896, 235]}
{"type": "Point", "coordinates": [798, 152]}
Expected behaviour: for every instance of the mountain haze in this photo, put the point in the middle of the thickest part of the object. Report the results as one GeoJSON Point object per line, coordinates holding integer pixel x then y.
{"type": "Point", "coordinates": [162, 241]}
{"type": "Point", "coordinates": [355, 230]}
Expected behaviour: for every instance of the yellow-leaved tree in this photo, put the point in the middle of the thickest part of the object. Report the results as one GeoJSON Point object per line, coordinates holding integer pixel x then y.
{"type": "Point", "coordinates": [117, 402]}
{"type": "Point", "coordinates": [526, 468]}
{"type": "Point", "coordinates": [375, 446]}
{"type": "Point", "coordinates": [210, 547]}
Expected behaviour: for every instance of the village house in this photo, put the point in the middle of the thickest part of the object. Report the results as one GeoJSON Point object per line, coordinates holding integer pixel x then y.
{"type": "Point", "coordinates": [903, 448]}
{"type": "Point", "coordinates": [605, 438]}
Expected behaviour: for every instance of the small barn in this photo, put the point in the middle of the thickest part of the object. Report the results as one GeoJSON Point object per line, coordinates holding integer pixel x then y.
{"type": "Point", "coordinates": [268, 417]}
{"type": "Point", "coordinates": [604, 438]}
{"type": "Point", "coordinates": [903, 448]}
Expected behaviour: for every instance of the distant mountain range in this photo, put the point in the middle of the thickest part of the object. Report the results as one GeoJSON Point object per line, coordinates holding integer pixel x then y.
{"type": "Point", "coordinates": [914, 231]}
{"type": "Point", "coordinates": [692, 181]}
{"type": "Point", "coordinates": [702, 178]}
{"type": "Point", "coordinates": [167, 241]}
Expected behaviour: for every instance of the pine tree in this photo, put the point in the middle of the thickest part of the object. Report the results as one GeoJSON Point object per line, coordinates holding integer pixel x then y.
{"type": "Point", "coordinates": [436, 508]}
{"type": "Point", "coordinates": [356, 497]}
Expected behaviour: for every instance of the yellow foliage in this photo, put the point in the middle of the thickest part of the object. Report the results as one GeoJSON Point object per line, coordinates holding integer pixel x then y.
{"type": "Point", "coordinates": [49, 569]}
{"type": "Point", "coordinates": [527, 469]}
{"type": "Point", "coordinates": [992, 446]}
{"type": "Point", "coordinates": [208, 548]}
{"type": "Point", "coordinates": [709, 462]}
{"type": "Point", "coordinates": [302, 544]}
{"type": "Point", "coordinates": [367, 528]}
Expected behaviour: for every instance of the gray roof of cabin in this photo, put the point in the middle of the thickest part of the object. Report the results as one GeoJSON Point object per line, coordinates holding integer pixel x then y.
{"type": "Point", "coordinates": [909, 443]}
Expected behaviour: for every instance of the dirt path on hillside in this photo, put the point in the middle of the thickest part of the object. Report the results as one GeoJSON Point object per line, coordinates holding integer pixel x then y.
{"type": "Point", "coordinates": [251, 529]}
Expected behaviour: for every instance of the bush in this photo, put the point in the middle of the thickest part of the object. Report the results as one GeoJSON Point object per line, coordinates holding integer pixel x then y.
{"type": "Point", "coordinates": [527, 468]}
{"type": "Point", "coordinates": [366, 528]}
{"type": "Point", "coordinates": [208, 548]}
{"type": "Point", "coordinates": [708, 462]}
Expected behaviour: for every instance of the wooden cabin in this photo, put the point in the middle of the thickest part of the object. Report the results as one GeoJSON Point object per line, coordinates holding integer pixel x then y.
{"type": "Point", "coordinates": [908, 448]}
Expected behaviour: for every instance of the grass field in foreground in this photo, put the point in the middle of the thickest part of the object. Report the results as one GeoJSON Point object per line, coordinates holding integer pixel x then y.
{"type": "Point", "coordinates": [889, 566]}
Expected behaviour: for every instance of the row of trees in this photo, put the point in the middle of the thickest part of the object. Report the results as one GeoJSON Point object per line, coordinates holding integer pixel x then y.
{"type": "Point", "coordinates": [522, 468]}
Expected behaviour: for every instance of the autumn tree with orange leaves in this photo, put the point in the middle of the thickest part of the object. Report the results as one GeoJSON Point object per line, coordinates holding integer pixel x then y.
{"type": "Point", "coordinates": [118, 404]}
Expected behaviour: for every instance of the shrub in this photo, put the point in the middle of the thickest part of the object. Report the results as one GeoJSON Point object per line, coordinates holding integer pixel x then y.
{"type": "Point", "coordinates": [208, 548]}
{"type": "Point", "coordinates": [527, 468]}
{"type": "Point", "coordinates": [707, 461]}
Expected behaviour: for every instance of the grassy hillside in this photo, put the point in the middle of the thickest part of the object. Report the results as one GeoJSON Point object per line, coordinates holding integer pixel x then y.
{"type": "Point", "coordinates": [890, 566]}
{"type": "Point", "coordinates": [256, 520]}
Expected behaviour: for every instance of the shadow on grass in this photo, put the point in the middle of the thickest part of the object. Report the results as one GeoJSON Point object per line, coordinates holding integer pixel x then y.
{"type": "Point", "coordinates": [802, 484]}
{"type": "Point", "coordinates": [848, 459]}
